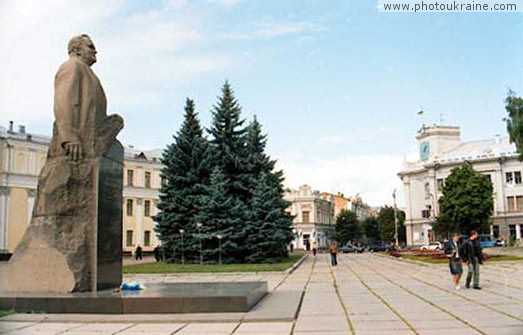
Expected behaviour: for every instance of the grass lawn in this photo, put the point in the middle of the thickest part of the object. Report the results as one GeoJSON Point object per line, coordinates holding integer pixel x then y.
{"type": "Point", "coordinates": [444, 261]}
{"type": "Point", "coordinates": [210, 268]}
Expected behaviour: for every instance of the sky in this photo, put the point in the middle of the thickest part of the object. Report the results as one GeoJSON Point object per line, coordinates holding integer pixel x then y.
{"type": "Point", "coordinates": [336, 85]}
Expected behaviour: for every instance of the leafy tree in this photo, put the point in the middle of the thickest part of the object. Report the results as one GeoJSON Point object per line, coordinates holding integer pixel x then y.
{"type": "Point", "coordinates": [387, 225]}
{"type": "Point", "coordinates": [371, 228]}
{"type": "Point", "coordinates": [270, 229]}
{"type": "Point", "coordinates": [186, 170]}
{"type": "Point", "coordinates": [514, 108]}
{"type": "Point", "coordinates": [228, 147]}
{"type": "Point", "coordinates": [222, 215]}
{"type": "Point", "coordinates": [347, 226]}
{"type": "Point", "coordinates": [467, 201]}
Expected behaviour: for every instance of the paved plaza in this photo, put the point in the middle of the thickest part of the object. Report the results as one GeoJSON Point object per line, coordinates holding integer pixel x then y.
{"type": "Point", "coordinates": [366, 294]}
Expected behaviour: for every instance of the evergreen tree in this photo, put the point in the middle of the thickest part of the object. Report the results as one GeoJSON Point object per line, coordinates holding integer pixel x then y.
{"type": "Point", "coordinates": [270, 226]}
{"type": "Point", "coordinates": [347, 226]}
{"type": "Point", "coordinates": [387, 225]}
{"type": "Point", "coordinates": [186, 170]}
{"type": "Point", "coordinates": [222, 215]}
{"type": "Point", "coordinates": [514, 108]}
{"type": "Point", "coordinates": [228, 144]}
{"type": "Point", "coordinates": [257, 161]}
{"type": "Point", "coordinates": [466, 203]}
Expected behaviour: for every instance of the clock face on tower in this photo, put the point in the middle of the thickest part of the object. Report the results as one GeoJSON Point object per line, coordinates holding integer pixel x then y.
{"type": "Point", "coordinates": [424, 151]}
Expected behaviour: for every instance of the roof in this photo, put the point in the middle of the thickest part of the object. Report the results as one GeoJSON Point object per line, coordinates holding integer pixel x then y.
{"type": "Point", "coordinates": [130, 152]}
{"type": "Point", "coordinates": [478, 150]}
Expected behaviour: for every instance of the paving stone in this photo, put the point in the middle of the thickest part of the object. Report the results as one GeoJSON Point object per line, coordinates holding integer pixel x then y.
{"type": "Point", "coordinates": [147, 328]}
{"type": "Point", "coordinates": [204, 328]}
{"type": "Point", "coordinates": [95, 328]}
{"type": "Point", "coordinates": [268, 327]}
{"type": "Point", "coordinates": [7, 325]}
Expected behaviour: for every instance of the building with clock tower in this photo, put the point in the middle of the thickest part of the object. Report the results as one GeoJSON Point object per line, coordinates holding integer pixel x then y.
{"type": "Point", "coordinates": [441, 150]}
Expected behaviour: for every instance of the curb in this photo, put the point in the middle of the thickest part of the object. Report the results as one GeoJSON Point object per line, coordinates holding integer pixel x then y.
{"type": "Point", "coordinates": [296, 265]}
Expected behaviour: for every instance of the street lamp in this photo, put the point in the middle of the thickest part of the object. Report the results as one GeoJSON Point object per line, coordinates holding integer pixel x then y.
{"type": "Point", "coordinates": [395, 218]}
{"type": "Point", "coordinates": [182, 231]}
{"type": "Point", "coordinates": [199, 226]}
{"type": "Point", "coordinates": [219, 237]}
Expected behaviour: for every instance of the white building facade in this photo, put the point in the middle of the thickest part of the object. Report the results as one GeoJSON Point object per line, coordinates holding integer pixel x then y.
{"type": "Point", "coordinates": [441, 150]}
{"type": "Point", "coordinates": [313, 217]}
{"type": "Point", "coordinates": [23, 155]}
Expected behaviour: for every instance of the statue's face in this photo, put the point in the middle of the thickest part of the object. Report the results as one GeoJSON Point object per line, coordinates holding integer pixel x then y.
{"type": "Point", "coordinates": [88, 52]}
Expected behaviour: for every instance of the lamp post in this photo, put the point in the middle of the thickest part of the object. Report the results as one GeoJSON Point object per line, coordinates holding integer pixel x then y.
{"type": "Point", "coordinates": [199, 226]}
{"type": "Point", "coordinates": [182, 231]}
{"type": "Point", "coordinates": [395, 218]}
{"type": "Point", "coordinates": [219, 237]}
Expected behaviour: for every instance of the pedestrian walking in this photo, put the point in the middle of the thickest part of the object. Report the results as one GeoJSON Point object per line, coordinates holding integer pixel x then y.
{"type": "Point", "coordinates": [333, 250]}
{"type": "Point", "coordinates": [157, 255]}
{"type": "Point", "coordinates": [314, 248]}
{"type": "Point", "coordinates": [473, 257]}
{"type": "Point", "coordinates": [138, 253]}
{"type": "Point", "coordinates": [453, 252]}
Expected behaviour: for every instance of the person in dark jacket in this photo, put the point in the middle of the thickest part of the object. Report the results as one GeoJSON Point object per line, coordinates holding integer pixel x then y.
{"type": "Point", "coordinates": [453, 251]}
{"type": "Point", "coordinates": [473, 257]}
{"type": "Point", "coordinates": [157, 255]}
{"type": "Point", "coordinates": [138, 253]}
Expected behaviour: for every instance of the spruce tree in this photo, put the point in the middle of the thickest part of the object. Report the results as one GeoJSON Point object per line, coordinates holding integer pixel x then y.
{"type": "Point", "coordinates": [221, 215]}
{"type": "Point", "coordinates": [270, 226]}
{"type": "Point", "coordinates": [228, 143]}
{"type": "Point", "coordinates": [185, 173]}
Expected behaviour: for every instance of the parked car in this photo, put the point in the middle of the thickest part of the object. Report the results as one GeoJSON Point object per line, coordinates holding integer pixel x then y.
{"type": "Point", "coordinates": [433, 246]}
{"type": "Point", "coordinates": [486, 241]}
{"type": "Point", "coordinates": [351, 248]}
{"type": "Point", "coordinates": [380, 247]}
{"type": "Point", "coordinates": [500, 243]}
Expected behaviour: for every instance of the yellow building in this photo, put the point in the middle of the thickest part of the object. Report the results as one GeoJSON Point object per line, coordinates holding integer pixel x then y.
{"type": "Point", "coordinates": [22, 156]}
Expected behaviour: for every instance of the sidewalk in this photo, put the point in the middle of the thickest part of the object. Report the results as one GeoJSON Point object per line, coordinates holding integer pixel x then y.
{"type": "Point", "coordinates": [365, 295]}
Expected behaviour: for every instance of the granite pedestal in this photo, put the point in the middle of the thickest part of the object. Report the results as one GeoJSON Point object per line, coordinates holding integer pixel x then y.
{"type": "Point", "coordinates": [156, 298]}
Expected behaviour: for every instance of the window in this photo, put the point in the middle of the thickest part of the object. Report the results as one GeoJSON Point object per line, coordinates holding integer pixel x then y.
{"type": "Point", "coordinates": [517, 177]}
{"type": "Point", "coordinates": [489, 177]}
{"type": "Point", "coordinates": [147, 180]}
{"type": "Point", "coordinates": [509, 177]}
{"type": "Point", "coordinates": [495, 230]}
{"type": "Point", "coordinates": [130, 177]}
{"type": "Point", "coordinates": [129, 238]}
{"type": "Point", "coordinates": [147, 208]}
{"type": "Point", "coordinates": [305, 216]}
{"type": "Point", "coordinates": [519, 203]}
{"type": "Point", "coordinates": [147, 238]}
{"type": "Point", "coordinates": [511, 204]}
{"type": "Point", "coordinates": [441, 184]}
{"type": "Point", "coordinates": [425, 213]}
{"type": "Point", "coordinates": [129, 207]}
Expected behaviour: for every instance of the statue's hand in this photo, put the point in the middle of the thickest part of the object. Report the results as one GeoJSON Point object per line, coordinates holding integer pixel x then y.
{"type": "Point", "coordinates": [73, 150]}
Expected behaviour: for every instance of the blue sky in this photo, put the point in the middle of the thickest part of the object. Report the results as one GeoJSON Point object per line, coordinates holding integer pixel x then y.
{"type": "Point", "coordinates": [336, 84]}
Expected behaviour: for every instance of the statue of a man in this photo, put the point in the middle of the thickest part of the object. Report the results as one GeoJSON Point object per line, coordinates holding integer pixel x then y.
{"type": "Point", "coordinates": [74, 240]}
{"type": "Point", "coordinates": [82, 128]}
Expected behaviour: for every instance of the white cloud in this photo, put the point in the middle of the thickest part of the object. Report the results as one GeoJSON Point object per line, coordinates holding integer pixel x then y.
{"type": "Point", "coordinates": [285, 28]}
{"type": "Point", "coordinates": [272, 30]}
{"type": "Point", "coordinates": [141, 56]}
{"type": "Point", "coordinates": [225, 3]}
{"type": "Point", "coordinates": [373, 176]}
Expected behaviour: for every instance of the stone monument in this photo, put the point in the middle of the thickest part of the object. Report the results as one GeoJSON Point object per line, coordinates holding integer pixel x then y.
{"type": "Point", "coordinates": [74, 240]}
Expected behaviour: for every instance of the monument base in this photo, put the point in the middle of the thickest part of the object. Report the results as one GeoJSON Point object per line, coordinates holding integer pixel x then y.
{"type": "Point", "coordinates": [156, 298]}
